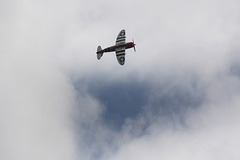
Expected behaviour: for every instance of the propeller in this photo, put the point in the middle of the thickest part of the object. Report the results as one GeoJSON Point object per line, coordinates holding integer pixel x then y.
{"type": "Point", "coordinates": [134, 45]}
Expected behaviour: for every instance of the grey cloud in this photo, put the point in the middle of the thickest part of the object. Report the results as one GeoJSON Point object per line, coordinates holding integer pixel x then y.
{"type": "Point", "coordinates": [57, 100]}
{"type": "Point", "coordinates": [210, 132]}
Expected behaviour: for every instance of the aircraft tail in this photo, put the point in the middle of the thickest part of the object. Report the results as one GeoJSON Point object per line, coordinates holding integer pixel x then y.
{"type": "Point", "coordinates": [99, 53]}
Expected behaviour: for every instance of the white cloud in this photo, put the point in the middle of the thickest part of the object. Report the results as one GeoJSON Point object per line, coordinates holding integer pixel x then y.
{"type": "Point", "coordinates": [46, 45]}
{"type": "Point", "coordinates": [37, 100]}
{"type": "Point", "coordinates": [36, 105]}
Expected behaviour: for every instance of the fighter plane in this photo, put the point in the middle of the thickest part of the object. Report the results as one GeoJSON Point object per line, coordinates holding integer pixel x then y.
{"type": "Point", "coordinates": [119, 48]}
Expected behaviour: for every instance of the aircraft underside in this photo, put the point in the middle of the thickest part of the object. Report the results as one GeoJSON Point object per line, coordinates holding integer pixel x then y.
{"type": "Point", "coordinates": [119, 48]}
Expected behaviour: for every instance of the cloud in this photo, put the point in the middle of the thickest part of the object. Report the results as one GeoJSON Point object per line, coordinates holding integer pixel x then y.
{"type": "Point", "coordinates": [37, 101]}
{"type": "Point", "coordinates": [210, 132]}
{"type": "Point", "coordinates": [36, 105]}
{"type": "Point", "coordinates": [175, 98]}
{"type": "Point", "coordinates": [185, 52]}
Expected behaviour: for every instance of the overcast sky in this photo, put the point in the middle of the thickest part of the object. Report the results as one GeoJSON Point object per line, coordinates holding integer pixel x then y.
{"type": "Point", "coordinates": [177, 97]}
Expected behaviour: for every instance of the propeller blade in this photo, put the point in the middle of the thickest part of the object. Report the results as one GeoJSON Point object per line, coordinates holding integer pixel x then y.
{"type": "Point", "coordinates": [134, 45]}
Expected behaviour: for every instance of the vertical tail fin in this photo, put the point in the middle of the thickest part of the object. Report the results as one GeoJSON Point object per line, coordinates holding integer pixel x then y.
{"type": "Point", "coordinates": [99, 53]}
{"type": "Point", "coordinates": [99, 48]}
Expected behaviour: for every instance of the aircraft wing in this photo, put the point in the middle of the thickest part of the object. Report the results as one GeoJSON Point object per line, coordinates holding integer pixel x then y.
{"type": "Point", "coordinates": [121, 38]}
{"type": "Point", "coordinates": [120, 53]}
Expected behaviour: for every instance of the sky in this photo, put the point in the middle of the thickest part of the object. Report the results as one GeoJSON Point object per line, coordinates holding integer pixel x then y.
{"type": "Point", "coordinates": [176, 97]}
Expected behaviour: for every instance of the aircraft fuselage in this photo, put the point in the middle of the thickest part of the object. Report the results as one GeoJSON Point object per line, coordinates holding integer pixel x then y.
{"type": "Point", "coordinates": [113, 48]}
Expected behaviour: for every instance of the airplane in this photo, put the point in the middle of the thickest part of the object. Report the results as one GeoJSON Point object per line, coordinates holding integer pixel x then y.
{"type": "Point", "coordinates": [119, 48]}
